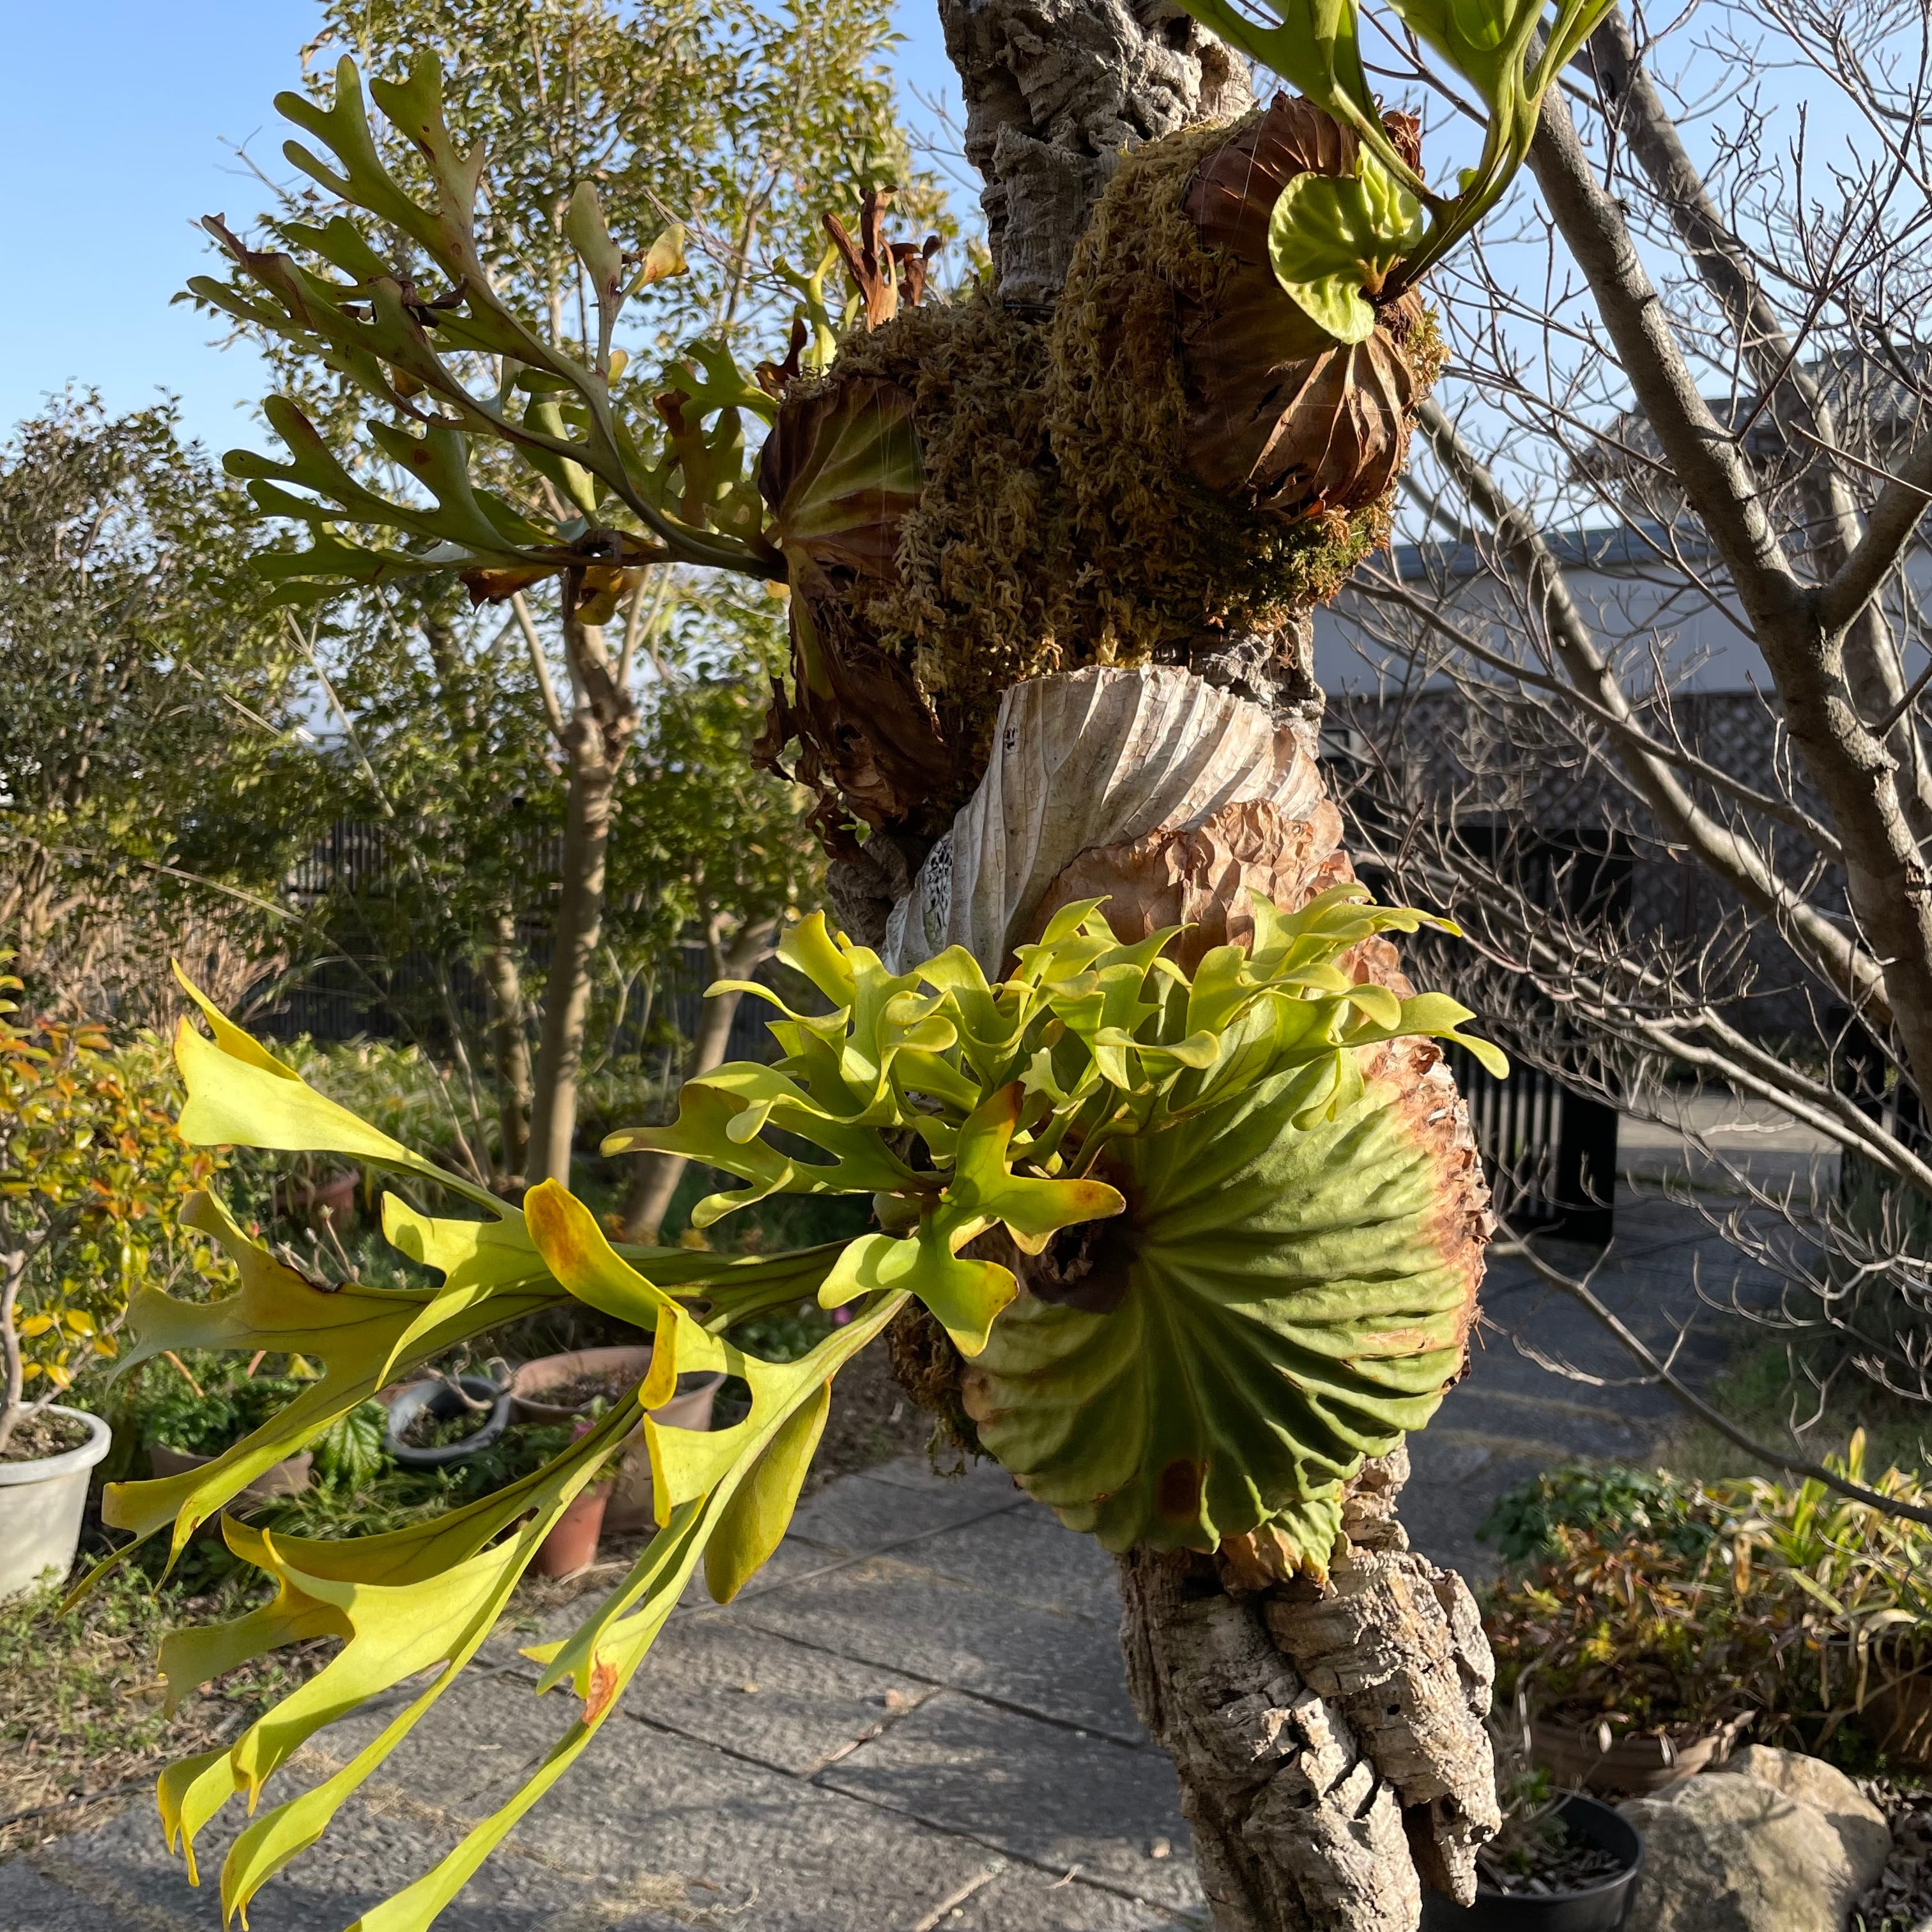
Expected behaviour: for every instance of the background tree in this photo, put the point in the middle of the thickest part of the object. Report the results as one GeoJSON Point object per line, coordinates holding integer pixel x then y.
{"type": "Point", "coordinates": [711, 844]}
{"type": "Point", "coordinates": [150, 758]}
{"type": "Point", "coordinates": [717, 135]}
{"type": "Point", "coordinates": [1722, 374]}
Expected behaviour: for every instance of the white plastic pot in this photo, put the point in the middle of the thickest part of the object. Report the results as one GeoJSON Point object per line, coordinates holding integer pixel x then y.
{"type": "Point", "coordinates": [40, 1504]}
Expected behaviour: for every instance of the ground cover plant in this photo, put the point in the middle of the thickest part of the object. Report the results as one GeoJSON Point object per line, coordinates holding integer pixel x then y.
{"type": "Point", "coordinates": [1642, 1604]}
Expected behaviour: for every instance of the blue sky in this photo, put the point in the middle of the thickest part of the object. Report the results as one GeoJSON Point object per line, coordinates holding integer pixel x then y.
{"type": "Point", "coordinates": [113, 143]}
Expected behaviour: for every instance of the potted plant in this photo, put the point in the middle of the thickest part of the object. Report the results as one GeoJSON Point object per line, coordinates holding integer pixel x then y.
{"type": "Point", "coordinates": [1654, 1619]}
{"type": "Point", "coordinates": [90, 1172]}
{"type": "Point", "coordinates": [571, 1545]}
{"type": "Point", "coordinates": [190, 1424]}
{"type": "Point", "coordinates": [1856, 1586]}
{"type": "Point", "coordinates": [1635, 1675]}
{"type": "Point", "coordinates": [445, 1419]}
{"type": "Point", "coordinates": [556, 1389]}
{"type": "Point", "coordinates": [1563, 1862]}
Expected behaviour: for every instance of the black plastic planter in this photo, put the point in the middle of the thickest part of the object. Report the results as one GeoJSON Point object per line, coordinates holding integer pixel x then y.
{"type": "Point", "coordinates": [442, 1401]}
{"type": "Point", "coordinates": [1601, 1907]}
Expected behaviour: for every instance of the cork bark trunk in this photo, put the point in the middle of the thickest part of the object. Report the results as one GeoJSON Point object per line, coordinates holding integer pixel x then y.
{"type": "Point", "coordinates": [1329, 1739]}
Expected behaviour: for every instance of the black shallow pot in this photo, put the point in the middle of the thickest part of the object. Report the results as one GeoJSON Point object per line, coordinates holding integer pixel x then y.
{"type": "Point", "coordinates": [1600, 1908]}
{"type": "Point", "coordinates": [442, 1401]}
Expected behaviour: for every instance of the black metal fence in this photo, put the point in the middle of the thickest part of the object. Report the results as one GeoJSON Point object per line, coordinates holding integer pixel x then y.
{"type": "Point", "coordinates": [1548, 1151]}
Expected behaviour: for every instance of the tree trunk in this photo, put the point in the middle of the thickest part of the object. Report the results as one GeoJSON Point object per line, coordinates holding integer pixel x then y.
{"type": "Point", "coordinates": [509, 1042]}
{"type": "Point", "coordinates": [1329, 1741]}
{"type": "Point", "coordinates": [654, 1176]}
{"type": "Point", "coordinates": [13, 1276]}
{"type": "Point", "coordinates": [579, 923]}
{"type": "Point", "coordinates": [595, 741]}
{"type": "Point", "coordinates": [1329, 1737]}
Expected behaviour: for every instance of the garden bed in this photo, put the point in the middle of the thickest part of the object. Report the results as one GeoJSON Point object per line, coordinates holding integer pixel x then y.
{"type": "Point", "coordinates": [82, 1721]}
{"type": "Point", "coordinates": [1901, 1901]}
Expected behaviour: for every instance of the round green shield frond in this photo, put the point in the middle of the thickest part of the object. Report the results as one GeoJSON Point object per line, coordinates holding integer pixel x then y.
{"type": "Point", "coordinates": [1277, 1303]}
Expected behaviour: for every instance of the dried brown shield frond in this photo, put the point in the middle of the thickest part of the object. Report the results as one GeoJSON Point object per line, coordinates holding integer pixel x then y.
{"type": "Point", "coordinates": [841, 468]}
{"type": "Point", "coordinates": [1280, 416]}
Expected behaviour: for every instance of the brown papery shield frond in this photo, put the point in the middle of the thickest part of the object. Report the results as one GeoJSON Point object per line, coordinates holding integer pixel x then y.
{"type": "Point", "coordinates": [1279, 414]}
{"type": "Point", "coordinates": [840, 470]}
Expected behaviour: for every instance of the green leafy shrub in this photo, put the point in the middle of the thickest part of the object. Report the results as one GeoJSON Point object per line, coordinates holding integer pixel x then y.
{"type": "Point", "coordinates": [1613, 1501]}
{"type": "Point", "coordinates": [1655, 1606]}
{"type": "Point", "coordinates": [92, 1173]}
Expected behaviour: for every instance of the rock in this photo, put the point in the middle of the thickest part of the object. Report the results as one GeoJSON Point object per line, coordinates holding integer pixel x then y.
{"type": "Point", "coordinates": [1860, 1824]}
{"type": "Point", "coordinates": [1726, 1853]}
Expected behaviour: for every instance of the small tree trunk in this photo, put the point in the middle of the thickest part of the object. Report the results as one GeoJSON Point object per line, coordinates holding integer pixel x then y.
{"type": "Point", "coordinates": [595, 741]}
{"type": "Point", "coordinates": [579, 921]}
{"type": "Point", "coordinates": [13, 1378]}
{"type": "Point", "coordinates": [509, 1041]}
{"type": "Point", "coordinates": [1329, 1739]}
{"type": "Point", "coordinates": [654, 1176]}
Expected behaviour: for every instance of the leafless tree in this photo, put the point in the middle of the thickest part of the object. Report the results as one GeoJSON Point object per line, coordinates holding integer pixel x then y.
{"type": "Point", "coordinates": [1683, 446]}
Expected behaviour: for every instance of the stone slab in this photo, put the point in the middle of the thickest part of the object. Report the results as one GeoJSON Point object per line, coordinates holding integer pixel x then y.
{"type": "Point", "coordinates": [1028, 1557]}
{"type": "Point", "coordinates": [485, 1727]}
{"type": "Point", "coordinates": [123, 1871]}
{"type": "Point", "coordinates": [1067, 1668]}
{"type": "Point", "coordinates": [860, 1516]}
{"type": "Point", "coordinates": [1059, 1800]}
{"type": "Point", "coordinates": [980, 1476]}
{"type": "Point", "coordinates": [29, 1902]}
{"type": "Point", "coordinates": [764, 1697]}
{"type": "Point", "coordinates": [757, 1851]}
{"type": "Point", "coordinates": [1023, 1901]}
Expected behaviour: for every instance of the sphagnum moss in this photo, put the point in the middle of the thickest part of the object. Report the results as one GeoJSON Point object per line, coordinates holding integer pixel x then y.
{"type": "Point", "coordinates": [1058, 523]}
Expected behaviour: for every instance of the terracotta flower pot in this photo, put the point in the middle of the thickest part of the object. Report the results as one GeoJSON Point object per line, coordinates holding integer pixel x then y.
{"type": "Point", "coordinates": [571, 1544]}
{"type": "Point", "coordinates": [288, 1478]}
{"type": "Point", "coordinates": [630, 1504]}
{"type": "Point", "coordinates": [305, 1200]}
{"type": "Point", "coordinates": [1633, 1767]}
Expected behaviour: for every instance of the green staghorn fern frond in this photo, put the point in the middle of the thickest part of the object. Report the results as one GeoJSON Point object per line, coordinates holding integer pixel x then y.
{"type": "Point", "coordinates": [1381, 228]}
{"type": "Point", "coordinates": [1266, 1288]}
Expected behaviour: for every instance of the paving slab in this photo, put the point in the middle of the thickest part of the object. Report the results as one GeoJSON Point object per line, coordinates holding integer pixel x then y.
{"type": "Point", "coordinates": [882, 1611]}
{"type": "Point", "coordinates": [486, 1726]}
{"type": "Point", "coordinates": [1027, 1555]}
{"type": "Point", "coordinates": [1019, 1900]}
{"type": "Point", "coordinates": [122, 1875]}
{"type": "Point", "coordinates": [764, 1697]}
{"type": "Point", "coordinates": [1055, 1798]}
{"type": "Point", "coordinates": [759, 1851]}
{"type": "Point", "coordinates": [918, 1472]}
{"type": "Point", "coordinates": [862, 1514]}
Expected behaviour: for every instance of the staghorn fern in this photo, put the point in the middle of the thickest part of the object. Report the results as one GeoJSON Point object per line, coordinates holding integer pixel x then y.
{"type": "Point", "coordinates": [1270, 1290]}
